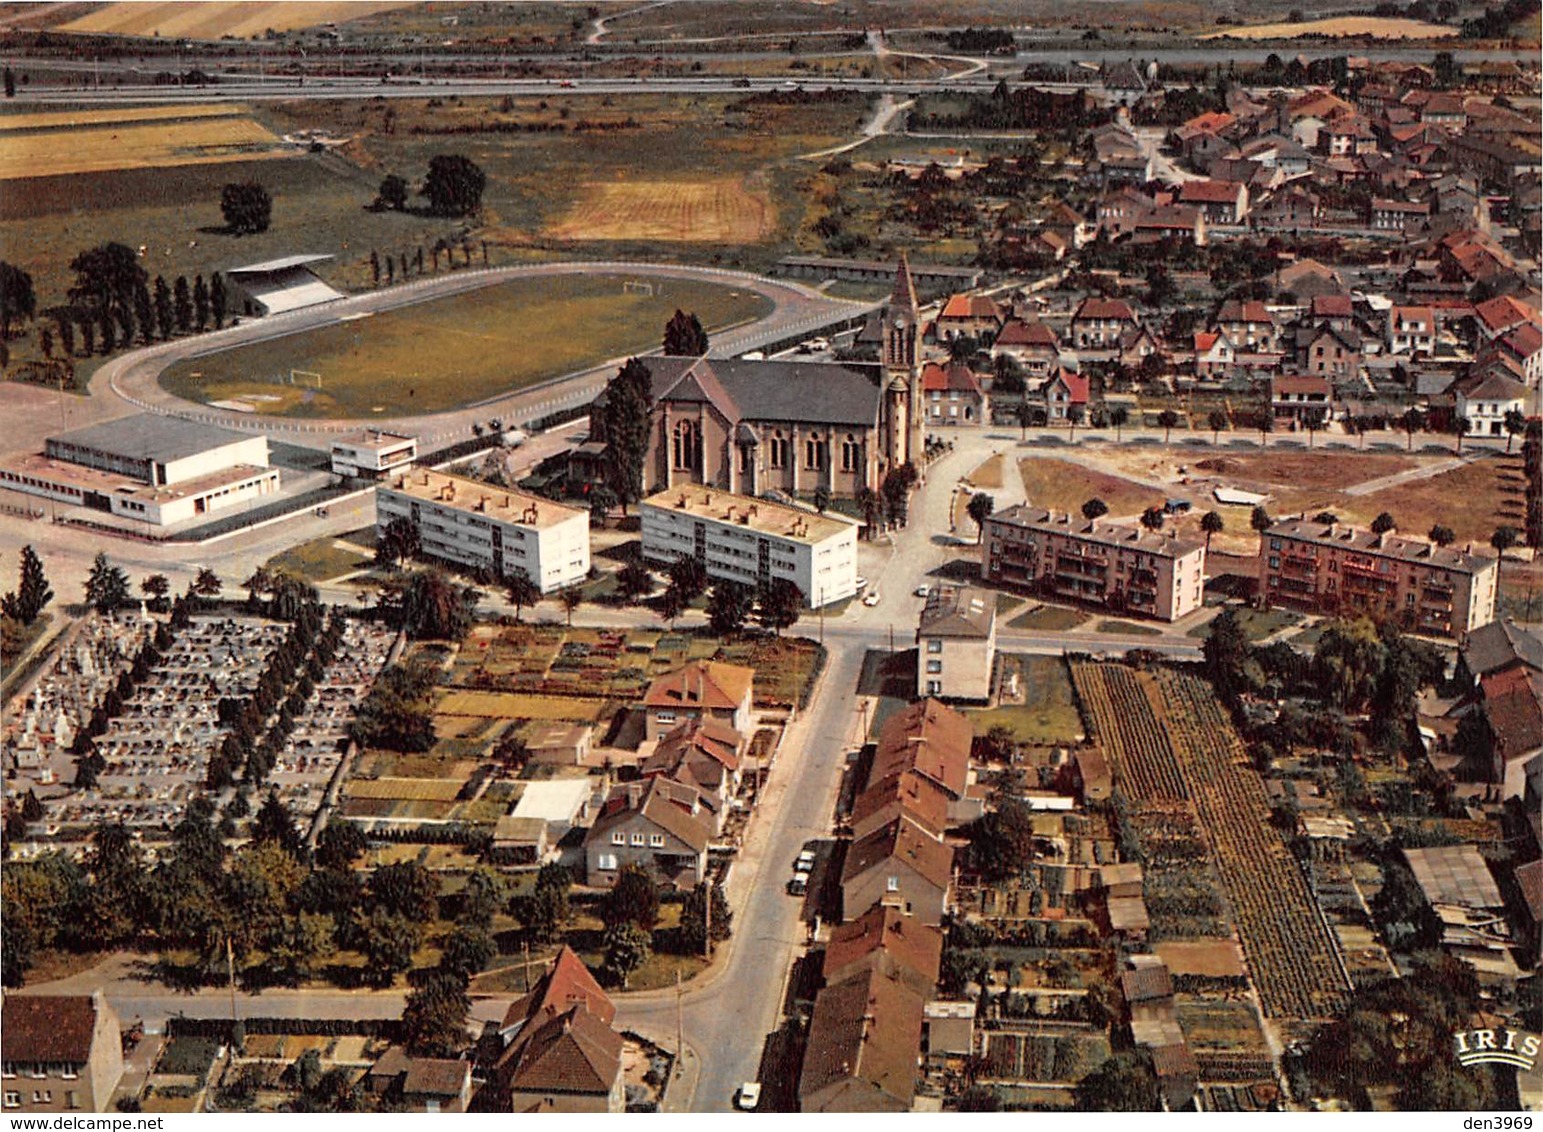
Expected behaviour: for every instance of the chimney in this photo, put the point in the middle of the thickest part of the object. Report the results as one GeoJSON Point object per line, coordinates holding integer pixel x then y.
{"type": "Point", "coordinates": [634, 796]}
{"type": "Point", "coordinates": [506, 502]}
{"type": "Point", "coordinates": [707, 499]}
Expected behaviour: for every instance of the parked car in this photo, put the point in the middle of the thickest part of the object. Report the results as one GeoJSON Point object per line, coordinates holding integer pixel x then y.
{"type": "Point", "coordinates": [923, 590]}
{"type": "Point", "coordinates": [805, 862]}
{"type": "Point", "coordinates": [871, 598]}
{"type": "Point", "coordinates": [798, 885]}
{"type": "Point", "coordinates": [749, 1096]}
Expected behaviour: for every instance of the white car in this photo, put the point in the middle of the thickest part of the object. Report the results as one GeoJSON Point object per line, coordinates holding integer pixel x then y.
{"type": "Point", "coordinates": [749, 1096]}
{"type": "Point", "coordinates": [871, 599]}
{"type": "Point", "coordinates": [805, 862]}
{"type": "Point", "coordinates": [923, 591]}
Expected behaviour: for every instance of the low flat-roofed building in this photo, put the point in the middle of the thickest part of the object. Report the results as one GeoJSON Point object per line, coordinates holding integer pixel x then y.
{"type": "Point", "coordinates": [371, 453]}
{"type": "Point", "coordinates": [1329, 567]}
{"type": "Point", "coordinates": [956, 643]}
{"type": "Point", "coordinates": [475, 524]}
{"type": "Point", "coordinates": [561, 744]}
{"type": "Point", "coordinates": [748, 540]}
{"type": "Point", "coordinates": [1120, 565]}
{"type": "Point", "coordinates": [156, 469]}
{"type": "Point", "coordinates": [561, 803]}
{"type": "Point", "coordinates": [1462, 892]}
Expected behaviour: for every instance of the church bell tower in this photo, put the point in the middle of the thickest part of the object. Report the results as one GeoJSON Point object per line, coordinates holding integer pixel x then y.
{"type": "Point", "coordinates": [902, 373]}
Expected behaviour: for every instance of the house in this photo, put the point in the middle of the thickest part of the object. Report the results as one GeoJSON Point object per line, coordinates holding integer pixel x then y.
{"type": "Point", "coordinates": [559, 1052]}
{"type": "Point", "coordinates": [1033, 345]}
{"type": "Point", "coordinates": [1279, 152]}
{"type": "Point", "coordinates": [1464, 898]}
{"type": "Point", "coordinates": [929, 740]}
{"type": "Point", "coordinates": [1499, 316]}
{"type": "Point", "coordinates": [1222, 202]}
{"type": "Point", "coordinates": [1329, 353]}
{"type": "Point", "coordinates": [1411, 330]}
{"type": "Point", "coordinates": [952, 395]}
{"type": "Point", "coordinates": [559, 744]}
{"type": "Point", "coordinates": [1069, 224]}
{"type": "Point", "coordinates": [1248, 324]}
{"type": "Point", "coordinates": [1511, 703]}
{"type": "Point", "coordinates": [421, 1084]}
{"type": "Point", "coordinates": [702, 689]}
{"type": "Point", "coordinates": [972, 315]}
{"type": "Point", "coordinates": [703, 754]}
{"type": "Point", "coordinates": [1294, 396]}
{"type": "Point", "coordinates": [1172, 222]}
{"type": "Point", "coordinates": [956, 644]}
{"type": "Point", "coordinates": [1306, 278]}
{"type": "Point", "coordinates": [1393, 215]}
{"type": "Point", "coordinates": [864, 1046]}
{"type": "Point", "coordinates": [1291, 208]}
{"type": "Point", "coordinates": [1214, 354]}
{"type": "Point", "coordinates": [1335, 311]}
{"type": "Point", "coordinates": [558, 803]}
{"type": "Point", "coordinates": [62, 1053]}
{"type": "Point", "coordinates": [899, 865]}
{"type": "Point", "coordinates": [885, 939]}
{"type": "Point", "coordinates": [901, 794]}
{"type": "Point", "coordinates": [1137, 344]}
{"type": "Point", "coordinates": [659, 825]}
{"type": "Point", "coordinates": [1098, 323]}
{"type": "Point", "coordinates": [1498, 647]}
{"type": "Point", "coordinates": [1486, 399]}
{"type": "Point", "coordinates": [1524, 345]}
{"type": "Point", "coordinates": [1064, 393]}
{"type": "Point", "coordinates": [1119, 211]}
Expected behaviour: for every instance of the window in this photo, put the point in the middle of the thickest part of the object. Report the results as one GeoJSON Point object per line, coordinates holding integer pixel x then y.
{"type": "Point", "coordinates": [664, 717]}
{"type": "Point", "coordinates": [618, 839]}
{"type": "Point", "coordinates": [656, 841]}
{"type": "Point", "coordinates": [606, 861]}
{"type": "Point", "coordinates": [778, 453]}
{"type": "Point", "coordinates": [42, 1096]}
{"type": "Point", "coordinates": [934, 666]}
{"type": "Point", "coordinates": [891, 884]}
{"type": "Point", "coordinates": [934, 646]}
{"type": "Point", "coordinates": [72, 1099]}
{"type": "Point", "coordinates": [851, 455]}
{"type": "Point", "coordinates": [8, 1069]}
{"type": "Point", "coordinates": [1274, 562]}
{"type": "Point", "coordinates": [814, 454]}
{"type": "Point", "coordinates": [637, 839]}
{"type": "Point", "coordinates": [12, 1099]}
{"type": "Point", "coordinates": [934, 687]}
{"type": "Point", "coordinates": [687, 447]}
{"type": "Point", "coordinates": [69, 1072]}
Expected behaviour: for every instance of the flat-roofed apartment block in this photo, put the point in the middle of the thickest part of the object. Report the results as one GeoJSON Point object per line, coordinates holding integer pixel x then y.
{"type": "Point", "coordinates": [753, 541]}
{"type": "Point", "coordinates": [372, 454]}
{"type": "Point", "coordinates": [1328, 567]}
{"type": "Point", "coordinates": [475, 524]}
{"type": "Point", "coordinates": [160, 470]}
{"type": "Point", "coordinates": [956, 643]}
{"type": "Point", "coordinates": [1121, 565]}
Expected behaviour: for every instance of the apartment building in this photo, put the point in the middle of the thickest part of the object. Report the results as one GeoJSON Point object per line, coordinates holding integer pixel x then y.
{"type": "Point", "coordinates": [1120, 565]}
{"type": "Point", "coordinates": [744, 539]}
{"type": "Point", "coordinates": [372, 454]}
{"type": "Point", "coordinates": [477, 525]}
{"type": "Point", "coordinates": [1332, 567]}
{"type": "Point", "coordinates": [956, 643]}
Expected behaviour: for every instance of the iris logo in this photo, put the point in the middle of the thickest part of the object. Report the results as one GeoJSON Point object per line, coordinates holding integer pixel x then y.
{"type": "Point", "coordinates": [1502, 1047]}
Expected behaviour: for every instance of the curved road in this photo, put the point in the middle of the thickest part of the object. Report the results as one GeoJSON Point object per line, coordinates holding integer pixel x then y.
{"type": "Point", "coordinates": [134, 377]}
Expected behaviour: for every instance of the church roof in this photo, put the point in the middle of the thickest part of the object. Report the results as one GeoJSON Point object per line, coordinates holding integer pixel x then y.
{"type": "Point", "coordinates": [767, 391]}
{"type": "Point", "coordinates": [903, 297]}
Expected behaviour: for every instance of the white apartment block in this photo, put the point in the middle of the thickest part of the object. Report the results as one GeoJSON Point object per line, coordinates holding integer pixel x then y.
{"type": "Point", "coordinates": [372, 454]}
{"type": "Point", "coordinates": [753, 541]}
{"type": "Point", "coordinates": [477, 525]}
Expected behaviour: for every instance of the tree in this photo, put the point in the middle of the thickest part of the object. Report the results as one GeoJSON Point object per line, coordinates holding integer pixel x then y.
{"type": "Point", "coordinates": [341, 844]}
{"type": "Point", "coordinates": [544, 912]}
{"type": "Point", "coordinates": [633, 900]}
{"type": "Point", "coordinates": [521, 591]}
{"type": "Point", "coordinates": [684, 336]}
{"type": "Point", "coordinates": [200, 304]}
{"type": "Point", "coordinates": [570, 598]}
{"type": "Point", "coordinates": [106, 278]}
{"type": "Point", "coordinates": [1442, 536]}
{"type": "Point", "coordinates": [1260, 519]}
{"type": "Point", "coordinates": [1504, 539]}
{"type": "Point", "coordinates": [688, 577]}
{"type": "Point", "coordinates": [822, 498]}
{"type": "Point", "coordinates": [1002, 841]}
{"type": "Point", "coordinates": [466, 951]}
{"type": "Point", "coordinates": [635, 580]}
{"type": "Point", "coordinates": [434, 607]}
{"type": "Point", "coordinates": [182, 304]}
{"type": "Point", "coordinates": [1461, 427]}
{"type": "Point", "coordinates": [626, 949]}
{"type": "Point", "coordinates": [979, 508]}
{"type": "Point", "coordinates": [392, 193]}
{"type": "Point", "coordinates": [156, 587]}
{"type": "Point", "coordinates": [728, 604]}
{"type": "Point", "coordinates": [779, 604]}
{"type": "Point", "coordinates": [32, 591]}
{"type": "Point", "coordinates": [434, 1018]}
{"type": "Point", "coordinates": [1123, 1083]}
{"type": "Point", "coordinates": [1217, 419]}
{"type": "Point", "coordinates": [694, 921]}
{"type": "Point", "coordinates": [397, 542]}
{"type": "Point", "coordinates": [165, 318]}
{"type": "Point", "coordinates": [10, 83]}
{"type": "Point", "coordinates": [407, 889]}
{"type": "Point", "coordinates": [1226, 653]}
{"type": "Point", "coordinates": [1212, 524]}
{"type": "Point", "coordinates": [1313, 420]}
{"type": "Point", "coordinates": [454, 185]}
{"type": "Point", "coordinates": [107, 586]}
{"type": "Point", "coordinates": [144, 313]}
{"type": "Point", "coordinates": [1074, 417]}
{"type": "Point", "coordinates": [274, 824]}
{"type": "Point", "coordinates": [1094, 509]}
{"type": "Point", "coordinates": [247, 208]}
{"type": "Point", "coordinates": [1118, 416]}
{"type": "Point", "coordinates": [1515, 423]}
{"type": "Point", "coordinates": [1447, 73]}
{"type": "Point", "coordinates": [622, 421]}
{"type": "Point", "coordinates": [398, 712]}
{"type": "Point", "coordinates": [484, 894]}
{"type": "Point", "coordinates": [1166, 420]}
{"type": "Point", "coordinates": [1413, 421]}
{"type": "Point", "coordinates": [217, 299]}
{"type": "Point", "coordinates": [107, 330]}
{"type": "Point", "coordinates": [601, 499]}
{"type": "Point", "coordinates": [1383, 523]}
{"type": "Point", "coordinates": [1152, 518]}
{"type": "Point", "coordinates": [17, 299]}
{"type": "Point", "coordinates": [1266, 424]}
{"type": "Point", "coordinates": [670, 604]}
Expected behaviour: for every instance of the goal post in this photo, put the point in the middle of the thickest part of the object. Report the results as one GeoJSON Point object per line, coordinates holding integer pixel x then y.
{"type": "Point", "coordinates": [294, 373]}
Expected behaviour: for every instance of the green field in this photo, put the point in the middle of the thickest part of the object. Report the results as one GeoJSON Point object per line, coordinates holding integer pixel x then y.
{"type": "Point", "coordinates": [456, 351]}
{"type": "Point", "coordinates": [1048, 713]}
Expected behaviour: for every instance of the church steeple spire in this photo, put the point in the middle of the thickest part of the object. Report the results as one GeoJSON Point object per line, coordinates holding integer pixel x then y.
{"type": "Point", "coordinates": [903, 297]}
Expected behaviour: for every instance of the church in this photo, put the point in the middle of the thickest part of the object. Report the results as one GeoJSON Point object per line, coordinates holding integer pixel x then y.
{"type": "Point", "coordinates": [751, 427]}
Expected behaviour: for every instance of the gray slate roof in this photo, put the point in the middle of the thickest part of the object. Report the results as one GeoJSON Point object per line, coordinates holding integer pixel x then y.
{"type": "Point", "coordinates": [150, 436]}
{"type": "Point", "coordinates": [813, 392]}
{"type": "Point", "coordinates": [1498, 644]}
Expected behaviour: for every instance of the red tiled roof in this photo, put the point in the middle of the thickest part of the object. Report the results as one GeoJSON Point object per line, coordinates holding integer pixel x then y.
{"type": "Point", "coordinates": [906, 842]}
{"type": "Point", "coordinates": [1204, 340]}
{"type": "Point", "coordinates": [1333, 306]}
{"type": "Point", "coordinates": [1251, 310]}
{"type": "Point", "coordinates": [47, 1028]}
{"type": "Point", "coordinates": [955, 376]}
{"type": "Point", "coordinates": [902, 793]}
{"type": "Point", "coordinates": [702, 683]}
{"type": "Point", "coordinates": [1020, 333]}
{"type": "Point", "coordinates": [573, 1053]}
{"type": "Point", "coordinates": [1524, 341]}
{"type": "Point", "coordinates": [1299, 383]}
{"type": "Point", "coordinates": [1076, 386]}
{"type": "Point", "coordinates": [927, 737]}
{"type": "Point", "coordinates": [1209, 192]}
{"type": "Point", "coordinates": [1504, 312]}
{"type": "Point", "coordinates": [1512, 709]}
{"type": "Point", "coordinates": [1096, 307]}
{"type": "Point", "coordinates": [970, 307]}
{"type": "Point", "coordinates": [868, 1031]}
{"type": "Point", "coordinates": [566, 983]}
{"type": "Point", "coordinates": [884, 930]}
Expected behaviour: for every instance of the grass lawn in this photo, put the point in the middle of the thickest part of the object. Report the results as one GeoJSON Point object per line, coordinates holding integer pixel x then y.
{"type": "Point", "coordinates": [318, 560]}
{"type": "Point", "coordinates": [1064, 486]}
{"type": "Point", "coordinates": [1049, 618]}
{"type": "Point", "coordinates": [458, 350]}
{"type": "Point", "coordinates": [1006, 603]}
{"type": "Point", "coordinates": [1257, 624]}
{"type": "Point", "coordinates": [16, 638]}
{"type": "Point", "coordinates": [1127, 629]}
{"type": "Point", "coordinates": [989, 474]}
{"type": "Point", "coordinates": [1049, 711]}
